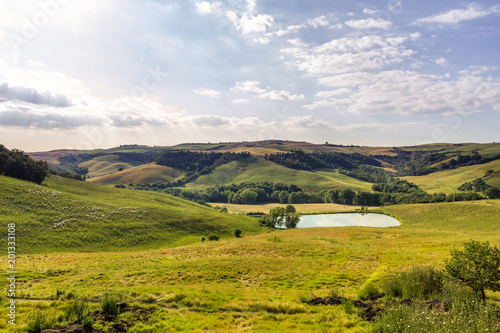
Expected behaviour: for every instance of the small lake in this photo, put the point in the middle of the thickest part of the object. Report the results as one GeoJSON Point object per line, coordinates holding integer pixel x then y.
{"type": "Point", "coordinates": [347, 220]}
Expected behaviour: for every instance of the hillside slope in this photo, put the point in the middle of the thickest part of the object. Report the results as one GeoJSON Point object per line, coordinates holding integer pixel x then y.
{"type": "Point", "coordinates": [147, 173]}
{"type": "Point", "coordinates": [68, 215]}
{"type": "Point", "coordinates": [450, 180]}
{"type": "Point", "coordinates": [257, 170]}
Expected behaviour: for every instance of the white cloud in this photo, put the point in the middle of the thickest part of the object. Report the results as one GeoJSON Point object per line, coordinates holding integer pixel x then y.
{"type": "Point", "coordinates": [410, 92]}
{"type": "Point", "coordinates": [441, 61]}
{"type": "Point", "coordinates": [252, 24]}
{"type": "Point", "coordinates": [281, 95]}
{"type": "Point", "coordinates": [455, 16]}
{"type": "Point", "coordinates": [348, 54]}
{"type": "Point", "coordinates": [208, 92]}
{"type": "Point", "coordinates": [249, 86]}
{"type": "Point", "coordinates": [369, 11]}
{"type": "Point", "coordinates": [320, 21]}
{"type": "Point", "coordinates": [253, 87]}
{"type": "Point", "coordinates": [369, 23]}
{"type": "Point", "coordinates": [206, 7]}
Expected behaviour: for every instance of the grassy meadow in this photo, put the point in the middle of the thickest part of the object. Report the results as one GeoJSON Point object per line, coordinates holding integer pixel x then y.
{"type": "Point", "coordinates": [145, 249]}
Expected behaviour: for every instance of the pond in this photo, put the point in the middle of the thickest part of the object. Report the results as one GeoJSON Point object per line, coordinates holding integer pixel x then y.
{"type": "Point", "coordinates": [347, 220]}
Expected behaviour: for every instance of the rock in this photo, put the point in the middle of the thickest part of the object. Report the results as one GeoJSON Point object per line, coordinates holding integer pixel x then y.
{"type": "Point", "coordinates": [371, 312]}
{"type": "Point", "coordinates": [357, 303]}
{"type": "Point", "coordinates": [119, 327]}
{"type": "Point", "coordinates": [326, 301]}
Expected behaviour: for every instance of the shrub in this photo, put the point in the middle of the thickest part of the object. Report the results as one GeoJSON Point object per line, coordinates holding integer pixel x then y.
{"type": "Point", "coordinates": [108, 304]}
{"type": "Point", "coordinates": [77, 308]}
{"type": "Point", "coordinates": [419, 282]}
{"type": "Point", "coordinates": [237, 233]}
{"type": "Point", "coordinates": [87, 322]}
{"type": "Point", "coordinates": [213, 238]}
{"type": "Point", "coordinates": [38, 321]}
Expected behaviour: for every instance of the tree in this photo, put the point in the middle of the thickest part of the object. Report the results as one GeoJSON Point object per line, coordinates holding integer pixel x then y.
{"type": "Point", "coordinates": [275, 217]}
{"type": "Point", "coordinates": [492, 193]}
{"type": "Point", "coordinates": [478, 266]}
{"type": "Point", "coordinates": [237, 233]}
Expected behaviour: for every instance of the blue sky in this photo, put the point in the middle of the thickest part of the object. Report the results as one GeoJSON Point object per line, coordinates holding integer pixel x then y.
{"type": "Point", "coordinates": [96, 74]}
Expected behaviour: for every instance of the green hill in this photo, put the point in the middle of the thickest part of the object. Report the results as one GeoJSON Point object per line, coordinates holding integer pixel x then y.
{"type": "Point", "coordinates": [257, 169]}
{"type": "Point", "coordinates": [69, 215]}
{"type": "Point", "coordinates": [146, 173]}
{"type": "Point", "coordinates": [450, 180]}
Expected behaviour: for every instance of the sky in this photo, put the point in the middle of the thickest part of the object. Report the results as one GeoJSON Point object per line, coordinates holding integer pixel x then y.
{"type": "Point", "coordinates": [87, 74]}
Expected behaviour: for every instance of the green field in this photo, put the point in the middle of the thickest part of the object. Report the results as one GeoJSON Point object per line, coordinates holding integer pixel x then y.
{"type": "Point", "coordinates": [146, 173]}
{"type": "Point", "coordinates": [450, 180]}
{"type": "Point", "coordinates": [257, 170]}
{"type": "Point", "coordinates": [69, 215]}
{"type": "Point", "coordinates": [149, 255]}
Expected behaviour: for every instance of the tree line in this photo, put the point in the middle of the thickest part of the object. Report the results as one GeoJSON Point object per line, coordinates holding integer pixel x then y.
{"type": "Point", "coordinates": [400, 192]}
{"type": "Point", "coordinates": [298, 159]}
{"type": "Point", "coordinates": [14, 163]}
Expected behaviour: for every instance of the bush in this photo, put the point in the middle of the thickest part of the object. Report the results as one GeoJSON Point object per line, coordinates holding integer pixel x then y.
{"type": "Point", "coordinates": [419, 282]}
{"type": "Point", "coordinates": [38, 321]}
{"type": "Point", "coordinates": [237, 233]}
{"type": "Point", "coordinates": [77, 308]}
{"type": "Point", "coordinates": [213, 238]}
{"type": "Point", "coordinates": [108, 304]}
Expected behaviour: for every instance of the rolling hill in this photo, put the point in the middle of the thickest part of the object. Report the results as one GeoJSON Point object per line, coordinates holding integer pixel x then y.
{"type": "Point", "coordinates": [69, 215]}
{"type": "Point", "coordinates": [145, 173]}
{"type": "Point", "coordinates": [131, 164]}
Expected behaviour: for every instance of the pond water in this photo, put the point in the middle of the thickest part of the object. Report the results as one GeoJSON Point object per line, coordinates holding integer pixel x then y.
{"type": "Point", "coordinates": [347, 220]}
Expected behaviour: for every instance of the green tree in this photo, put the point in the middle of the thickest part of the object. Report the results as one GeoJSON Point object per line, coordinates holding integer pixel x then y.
{"type": "Point", "coordinates": [478, 266]}
{"type": "Point", "coordinates": [248, 196]}
{"type": "Point", "coordinates": [492, 193]}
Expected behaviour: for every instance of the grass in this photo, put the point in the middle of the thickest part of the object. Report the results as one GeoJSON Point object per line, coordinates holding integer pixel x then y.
{"type": "Point", "coordinates": [108, 164]}
{"type": "Point", "coordinates": [255, 283]}
{"type": "Point", "coordinates": [147, 173]}
{"type": "Point", "coordinates": [69, 215]}
{"type": "Point", "coordinates": [450, 180]}
{"type": "Point", "coordinates": [257, 170]}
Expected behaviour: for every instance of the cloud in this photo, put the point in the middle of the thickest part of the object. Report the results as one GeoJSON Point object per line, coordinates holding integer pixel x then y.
{"type": "Point", "coordinates": [253, 87]}
{"type": "Point", "coordinates": [320, 21]}
{"type": "Point", "coordinates": [251, 24]}
{"type": "Point", "coordinates": [249, 86]}
{"type": "Point", "coordinates": [348, 54]}
{"type": "Point", "coordinates": [33, 96]}
{"type": "Point", "coordinates": [208, 92]}
{"type": "Point", "coordinates": [411, 93]}
{"type": "Point", "coordinates": [206, 7]}
{"type": "Point", "coordinates": [369, 23]}
{"type": "Point", "coordinates": [210, 121]}
{"type": "Point", "coordinates": [46, 119]}
{"type": "Point", "coordinates": [281, 95]}
{"type": "Point", "coordinates": [369, 11]}
{"type": "Point", "coordinates": [455, 16]}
